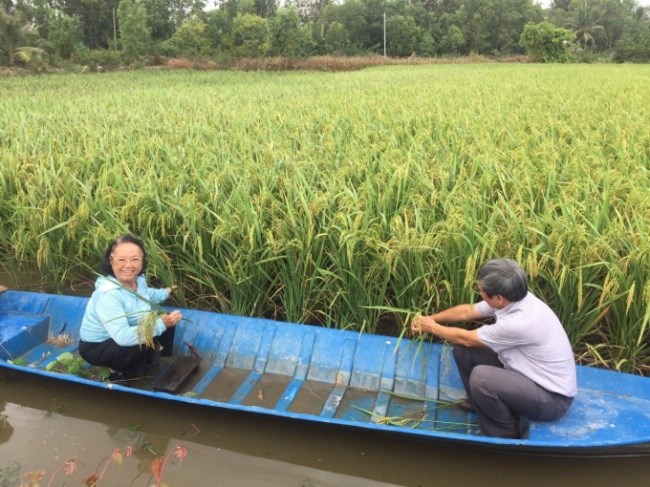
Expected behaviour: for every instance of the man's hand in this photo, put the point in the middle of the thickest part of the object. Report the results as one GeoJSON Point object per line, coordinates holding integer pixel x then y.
{"type": "Point", "coordinates": [422, 324]}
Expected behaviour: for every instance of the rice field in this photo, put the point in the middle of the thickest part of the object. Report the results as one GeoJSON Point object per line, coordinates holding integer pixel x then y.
{"type": "Point", "coordinates": [351, 200]}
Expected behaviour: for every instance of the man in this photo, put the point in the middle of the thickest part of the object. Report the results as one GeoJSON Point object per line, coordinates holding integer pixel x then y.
{"type": "Point", "coordinates": [522, 365]}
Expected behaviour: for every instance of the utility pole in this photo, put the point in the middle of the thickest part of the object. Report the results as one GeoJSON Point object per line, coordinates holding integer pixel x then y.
{"type": "Point", "coordinates": [384, 34]}
{"type": "Point", "coordinates": [114, 31]}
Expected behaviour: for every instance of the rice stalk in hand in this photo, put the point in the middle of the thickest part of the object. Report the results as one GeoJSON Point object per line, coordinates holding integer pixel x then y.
{"type": "Point", "coordinates": [146, 327]}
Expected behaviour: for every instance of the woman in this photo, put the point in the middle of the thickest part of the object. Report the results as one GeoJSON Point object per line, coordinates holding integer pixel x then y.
{"type": "Point", "coordinates": [109, 334]}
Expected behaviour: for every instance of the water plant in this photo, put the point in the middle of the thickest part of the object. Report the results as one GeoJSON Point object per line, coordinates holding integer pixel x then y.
{"type": "Point", "coordinates": [34, 478]}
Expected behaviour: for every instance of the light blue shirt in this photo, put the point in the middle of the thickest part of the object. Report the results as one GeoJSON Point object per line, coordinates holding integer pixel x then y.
{"type": "Point", "coordinates": [113, 311]}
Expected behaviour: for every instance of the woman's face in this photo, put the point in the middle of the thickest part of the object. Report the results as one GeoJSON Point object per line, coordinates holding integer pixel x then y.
{"type": "Point", "coordinates": [126, 261]}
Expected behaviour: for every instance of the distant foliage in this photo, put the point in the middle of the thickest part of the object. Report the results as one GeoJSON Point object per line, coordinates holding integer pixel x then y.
{"type": "Point", "coordinates": [546, 43]}
{"type": "Point", "coordinates": [64, 35]}
{"type": "Point", "coordinates": [601, 30]}
{"type": "Point", "coordinates": [285, 39]}
{"type": "Point", "coordinates": [402, 34]}
{"type": "Point", "coordinates": [634, 46]}
{"type": "Point", "coordinates": [135, 34]}
{"type": "Point", "coordinates": [190, 40]}
{"type": "Point", "coordinates": [250, 36]}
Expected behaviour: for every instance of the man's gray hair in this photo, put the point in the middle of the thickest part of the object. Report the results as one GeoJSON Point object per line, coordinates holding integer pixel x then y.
{"type": "Point", "coordinates": [503, 277]}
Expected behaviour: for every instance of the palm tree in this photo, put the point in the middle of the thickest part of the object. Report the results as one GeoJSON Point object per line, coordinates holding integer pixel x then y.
{"type": "Point", "coordinates": [16, 35]}
{"type": "Point", "coordinates": [586, 24]}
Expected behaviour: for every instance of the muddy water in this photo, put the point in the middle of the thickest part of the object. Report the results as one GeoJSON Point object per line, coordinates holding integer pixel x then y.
{"type": "Point", "coordinates": [43, 424]}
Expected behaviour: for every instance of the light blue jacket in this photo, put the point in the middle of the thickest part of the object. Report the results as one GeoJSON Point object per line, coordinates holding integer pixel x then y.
{"type": "Point", "coordinates": [113, 311]}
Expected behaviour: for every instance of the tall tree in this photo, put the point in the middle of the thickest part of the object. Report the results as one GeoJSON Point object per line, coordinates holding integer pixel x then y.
{"type": "Point", "coordinates": [266, 8]}
{"type": "Point", "coordinates": [336, 38]}
{"type": "Point", "coordinates": [217, 28]}
{"type": "Point", "coordinates": [250, 36]}
{"type": "Point", "coordinates": [63, 34]}
{"type": "Point", "coordinates": [183, 9]}
{"type": "Point", "coordinates": [351, 15]}
{"type": "Point", "coordinates": [546, 42]}
{"type": "Point", "coordinates": [494, 26]}
{"type": "Point", "coordinates": [285, 33]}
{"type": "Point", "coordinates": [586, 22]}
{"type": "Point", "coordinates": [7, 6]}
{"type": "Point", "coordinates": [159, 19]}
{"type": "Point", "coordinates": [96, 18]}
{"type": "Point", "coordinates": [190, 38]}
{"type": "Point", "coordinates": [16, 34]}
{"type": "Point", "coordinates": [401, 36]}
{"type": "Point", "coordinates": [135, 34]}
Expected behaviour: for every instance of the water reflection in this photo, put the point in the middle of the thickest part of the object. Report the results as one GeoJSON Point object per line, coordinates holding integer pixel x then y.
{"type": "Point", "coordinates": [6, 430]}
{"type": "Point", "coordinates": [52, 423]}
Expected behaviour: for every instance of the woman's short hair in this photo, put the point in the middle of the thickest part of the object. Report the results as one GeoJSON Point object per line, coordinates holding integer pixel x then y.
{"type": "Point", "coordinates": [503, 277]}
{"type": "Point", "coordinates": [107, 267]}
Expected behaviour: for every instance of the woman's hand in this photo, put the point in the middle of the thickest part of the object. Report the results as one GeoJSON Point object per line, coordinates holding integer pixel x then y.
{"type": "Point", "coordinates": [172, 319]}
{"type": "Point", "coordinates": [171, 289]}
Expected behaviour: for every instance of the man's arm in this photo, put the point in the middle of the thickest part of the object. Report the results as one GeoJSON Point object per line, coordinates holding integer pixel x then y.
{"type": "Point", "coordinates": [457, 314]}
{"type": "Point", "coordinates": [455, 335]}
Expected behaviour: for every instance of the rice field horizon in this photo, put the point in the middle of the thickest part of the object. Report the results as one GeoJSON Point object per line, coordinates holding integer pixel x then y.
{"type": "Point", "coordinates": [352, 199]}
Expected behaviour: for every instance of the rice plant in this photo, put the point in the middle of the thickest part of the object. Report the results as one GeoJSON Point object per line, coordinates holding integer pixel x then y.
{"type": "Point", "coordinates": [350, 200]}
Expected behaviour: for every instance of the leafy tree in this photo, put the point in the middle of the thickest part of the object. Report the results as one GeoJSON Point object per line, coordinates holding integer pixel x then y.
{"type": "Point", "coordinates": [613, 17]}
{"type": "Point", "coordinates": [17, 38]}
{"type": "Point", "coordinates": [190, 38]}
{"type": "Point", "coordinates": [64, 34]}
{"type": "Point", "coordinates": [159, 19]}
{"type": "Point", "coordinates": [239, 7]}
{"type": "Point", "coordinates": [634, 44]}
{"type": "Point", "coordinates": [217, 28]}
{"type": "Point", "coordinates": [401, 36]}
{"type": "Point", "coordinates": [6, 6]}
{"type": "Point", "coordinates": [250, 36]}
{"type": "Point", "coordinates": [95, 18]}
{"type": "Point", "coordinates": [135, 34]}
{"type": "Point", "coordinates": [265, 8]}
{"type": "Point", "coordinates": [336, 38]}
{"type": "Point", "coordinates": [285, 35]}
{"type": "Point", "coordinates": [351, 15]}
{"type": "Point", "coordinates": [309, 10]}
{"type": "Point", "coordinates": [374, 16]}
{"type": "Point", "coordinates": [546, 42]}
{"type": "Point", "coordinates": [494, 26]}
{"type": "Point", "coordinates": [453, 41]}
{"type": "Point", "coordinates": [426, 45]}
{"type": "Point", "coordinates": [180, 10]}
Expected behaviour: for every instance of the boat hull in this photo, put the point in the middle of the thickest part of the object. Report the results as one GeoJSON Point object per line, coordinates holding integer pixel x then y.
{"type": "Point", "coordinates": [333, 377]}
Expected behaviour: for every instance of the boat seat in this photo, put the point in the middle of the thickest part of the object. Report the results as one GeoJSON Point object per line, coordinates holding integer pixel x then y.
{"type": "Point", "coordinates": [171, 379]}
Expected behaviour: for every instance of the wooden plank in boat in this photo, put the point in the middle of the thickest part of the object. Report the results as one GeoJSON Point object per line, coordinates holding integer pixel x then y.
{"type": "Point", "coordinates": [171, 379]}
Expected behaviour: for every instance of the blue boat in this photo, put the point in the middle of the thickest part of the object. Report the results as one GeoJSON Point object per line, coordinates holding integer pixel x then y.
{"type": "Point", "coordinates": [338, 378]}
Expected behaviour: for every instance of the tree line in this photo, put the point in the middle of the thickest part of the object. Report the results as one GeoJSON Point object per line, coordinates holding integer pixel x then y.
{"type": "Point", "coordinates": [118, 32]}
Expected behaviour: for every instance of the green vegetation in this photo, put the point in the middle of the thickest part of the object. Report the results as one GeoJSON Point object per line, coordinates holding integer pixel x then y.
{"type": "Point", "coordinates": [93, 35]}
{"type": "Point", "coordinates": [350, 200]}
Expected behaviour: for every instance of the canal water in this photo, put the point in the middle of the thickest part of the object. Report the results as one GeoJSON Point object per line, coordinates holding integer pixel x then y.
{"type": "Point", "coordinates": [45, 424]}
